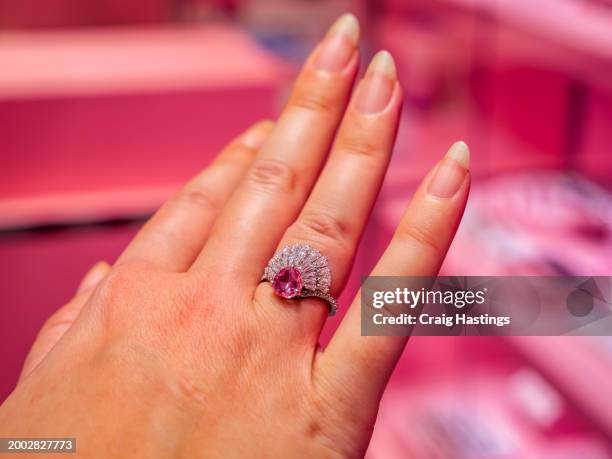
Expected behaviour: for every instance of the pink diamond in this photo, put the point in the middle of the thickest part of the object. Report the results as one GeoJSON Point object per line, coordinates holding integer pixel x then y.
{"type": "Point", "coordinates": [288, 282]}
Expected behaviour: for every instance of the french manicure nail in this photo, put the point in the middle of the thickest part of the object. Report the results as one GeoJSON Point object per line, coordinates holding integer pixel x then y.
{"type": "Point", "coordinates": [377, 85]}
{"type": "Point", "coordinates": [93, 276]}
{"type": "Point", "coordinates": [256, 135]}
{"type": "Point", "coordinates": [451, 171]}
{"type": "Point", "coordinates": [339, 44]}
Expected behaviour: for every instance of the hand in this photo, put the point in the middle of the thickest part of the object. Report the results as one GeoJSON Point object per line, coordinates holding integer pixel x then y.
{"type": "Point", "coordinates": [179, 350]}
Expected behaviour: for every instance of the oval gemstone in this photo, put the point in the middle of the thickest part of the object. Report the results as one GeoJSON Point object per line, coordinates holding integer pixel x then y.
{"type": "Point", "coordinates": [288, 282]}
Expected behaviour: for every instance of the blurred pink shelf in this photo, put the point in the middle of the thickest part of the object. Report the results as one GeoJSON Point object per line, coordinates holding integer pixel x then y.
{"type": "Point", "coordinates": [81, 207]}
{"type": "Point", "coordinates": [102, 123]}
{"type": "Point", "coordinates": [122, 60]}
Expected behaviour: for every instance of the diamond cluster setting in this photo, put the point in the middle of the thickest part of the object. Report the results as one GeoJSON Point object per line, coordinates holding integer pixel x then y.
{"type": "Point", "coordinates": [300, 271]}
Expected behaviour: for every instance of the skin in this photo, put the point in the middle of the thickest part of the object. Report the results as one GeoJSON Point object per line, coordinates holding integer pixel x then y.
{"type": "Point", "coordinates": [177, 350]}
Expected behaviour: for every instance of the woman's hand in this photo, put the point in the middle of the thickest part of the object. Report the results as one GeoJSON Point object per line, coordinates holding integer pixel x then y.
{"type": "Point", "coordinates": [179, 350]}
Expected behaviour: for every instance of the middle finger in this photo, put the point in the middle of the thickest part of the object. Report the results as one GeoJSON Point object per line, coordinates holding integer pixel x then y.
{"type": "Point", "coordinates": [280, 179]}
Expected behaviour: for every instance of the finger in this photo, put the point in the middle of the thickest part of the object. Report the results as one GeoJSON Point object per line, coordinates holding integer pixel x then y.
{"type": "Point", "coordinates": [174, 236]}
{"type": "Point", "coordinates": [277, 184]}
{"type": "Point", "coordinates": [417, 249]}
{"type": "Point", "coordinates": [56, 326]}
{"type": "Point", "coordinates": [338, 208]}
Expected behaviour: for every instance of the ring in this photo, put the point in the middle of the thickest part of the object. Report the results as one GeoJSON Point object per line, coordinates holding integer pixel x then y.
{"type": "Point", "coordinates": [299, 271]}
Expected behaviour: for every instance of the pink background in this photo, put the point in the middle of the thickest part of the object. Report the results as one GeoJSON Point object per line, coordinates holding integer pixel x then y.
{"type": "Point", "coordinates": [107, 106]}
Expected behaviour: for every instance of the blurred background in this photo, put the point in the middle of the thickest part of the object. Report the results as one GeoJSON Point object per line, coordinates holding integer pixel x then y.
{"type": "Point", "coordinates": [107, 106]}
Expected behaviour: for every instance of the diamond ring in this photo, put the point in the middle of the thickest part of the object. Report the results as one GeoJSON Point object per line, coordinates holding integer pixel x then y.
{"type": "Point", "coordinates": [299, 271]}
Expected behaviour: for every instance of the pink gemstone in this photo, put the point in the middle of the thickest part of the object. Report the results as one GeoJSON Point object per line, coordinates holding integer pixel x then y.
{"type": "Point", "coordinates": [288, 282]}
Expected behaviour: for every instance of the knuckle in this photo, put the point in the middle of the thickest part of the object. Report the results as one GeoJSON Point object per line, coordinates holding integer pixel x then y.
{"type": "Point", "coordinates": [314, 101]}
{"type": "Point", "coordinates": [422, 238]}
{"type": "Point", "coordinates": [122, 293]}
{"type": "Point", "coordinates": [238, 153]}
{"type": "Point", "coordinates": [123, 279]}
{"type": "Point", "coordinates": [241, 150]}
{"type": "Point", "coordinates": [115, 281]}
{"type": "Point", "coordinates": [272, 174]}
{"type": "Point", "coordinates": [200, 197]}
{"type": "Point", "coordinates": [132, 268]}
{"type": "Point", "coordinates": [322, 226]}
{"type": "Point", "coordinates": [358, 147]}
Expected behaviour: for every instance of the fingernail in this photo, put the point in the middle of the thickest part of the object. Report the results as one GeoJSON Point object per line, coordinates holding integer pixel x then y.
{"type": "Point", "coordinates": [93, 276]}
{"type": "Point", "coordinates": [451, 171]}
{"type": "Point", "coordinates": [376, 88]}
{"type": "Point", "coordinates": [257, 134]}
{"type": "Point", "coordinates": [339, 44]}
